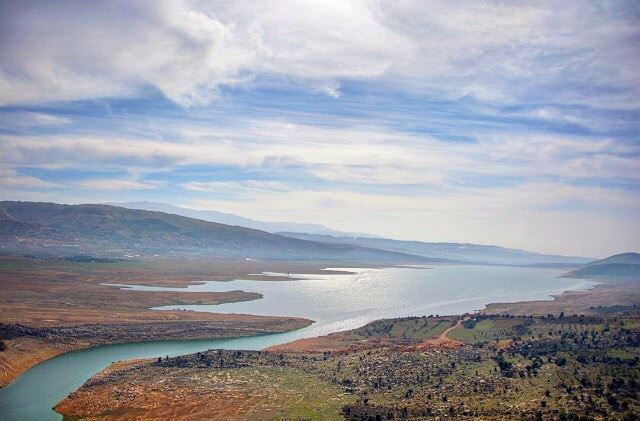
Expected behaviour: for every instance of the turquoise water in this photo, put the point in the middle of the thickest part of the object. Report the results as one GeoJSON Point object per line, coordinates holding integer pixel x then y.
{"type": "Point", "coordinates": [335, 302]}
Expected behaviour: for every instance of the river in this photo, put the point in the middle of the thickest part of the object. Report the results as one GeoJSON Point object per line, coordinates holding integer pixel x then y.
{"type": "Point", "coordinates": [335, 302]}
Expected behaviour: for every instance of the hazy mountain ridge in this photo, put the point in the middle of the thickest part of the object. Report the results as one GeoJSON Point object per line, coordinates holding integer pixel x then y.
{"type": "Point", "coordinates": [623, 265]}
{"type": "Point", "coordinates": [230, 219]}
{"type": "Point", "coordinates": [618, 259]}
{"type": "Point", "coordinates": [436, 252]}
{"type": "Point", "coordinates": [470, 253]}
{"type": "Point", "coordinates": [104, 230]}
{"type": "Point", "coordinates": [112, 231]}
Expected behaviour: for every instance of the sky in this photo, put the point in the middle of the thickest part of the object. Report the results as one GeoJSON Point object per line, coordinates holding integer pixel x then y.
{"type": "Point", "coordinates": [508, 123]}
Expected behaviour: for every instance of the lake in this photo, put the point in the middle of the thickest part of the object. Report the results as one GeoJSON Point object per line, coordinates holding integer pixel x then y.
{"type": "Point", "coordinates": [335, 302]}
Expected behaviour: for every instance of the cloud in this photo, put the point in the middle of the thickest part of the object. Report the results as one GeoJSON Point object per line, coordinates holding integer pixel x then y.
{"type": "Point", "coordinates": [10, 179]}
{"type": "Point", "coordinates": [501, 51]}
{"type": "Point", "coordinates": [23, 120]}
{"type": "Point", "coordinates": [381, 175]}
{"type": "Point", "coordinates": [116, 184]}
{"type": "Point", "coordinates": [236, 186]}
{"type": "Point", "coordinates": [42, 119]}
{"type": "Point", "coordinates": [357, 154]}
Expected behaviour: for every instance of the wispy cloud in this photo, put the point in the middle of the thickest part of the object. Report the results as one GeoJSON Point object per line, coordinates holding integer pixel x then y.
{"type": "Point", "coordinates": [24, 120]}
{"type": "Point", "coordinates": [12, 180]}
{"type": "Point", "coordinates": [236, 186]}
{"type": "Point", "coordinates": [356, 154]}
{"type": "Point", "coordinates": [116, 184]}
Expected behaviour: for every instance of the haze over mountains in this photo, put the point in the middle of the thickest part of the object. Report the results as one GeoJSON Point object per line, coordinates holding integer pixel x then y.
{"type": "Point", "coordinates": [112, 231]}
{"type": "Point", "coordinates": [470, 253]}
{"type": "Point", "coordinates": [230, 219]}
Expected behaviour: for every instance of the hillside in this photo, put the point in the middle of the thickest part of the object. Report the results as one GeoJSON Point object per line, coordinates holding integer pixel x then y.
{"type": "Point", "coordinates": [470, 253]}
{"type": "Point", "coordinates": [230, 219]}
{"type": "Point", "coordinates": [624, 265]}
{"type": "Point", "coordinates": [618, 259]}
{"type": "Point", "coordinates": [104, 230]}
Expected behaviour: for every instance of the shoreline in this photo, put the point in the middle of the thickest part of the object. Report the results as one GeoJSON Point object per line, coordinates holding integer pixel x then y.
{"type": "Point", "coordinates": [50, 348]}
{"type": "Point", "coordinates": [61, 306]}
{"type": "Point", "coordinates": [29, 350]}
{"type": "Point", "coordinates": [56, 349]}
{"type": "Point", "coordinates": [604, 292]}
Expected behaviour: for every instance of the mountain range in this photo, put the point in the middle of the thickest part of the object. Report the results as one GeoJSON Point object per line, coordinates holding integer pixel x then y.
{"type": "Point", "coordinates": [468, 253]}
{"type": "Point", "coordinates": [115, 231]}
{"type": "Point", "coordinates": [106, 231]}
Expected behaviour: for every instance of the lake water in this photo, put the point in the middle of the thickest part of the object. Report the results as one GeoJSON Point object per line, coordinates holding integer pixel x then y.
{"type": "Point", "coordinates": [335, 302]}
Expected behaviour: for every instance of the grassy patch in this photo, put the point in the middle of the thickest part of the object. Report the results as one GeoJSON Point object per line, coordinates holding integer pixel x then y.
{"type": "Point", "coordinates": [302, 396]}
{"type": "Point", "coordinates": [486, 330]}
